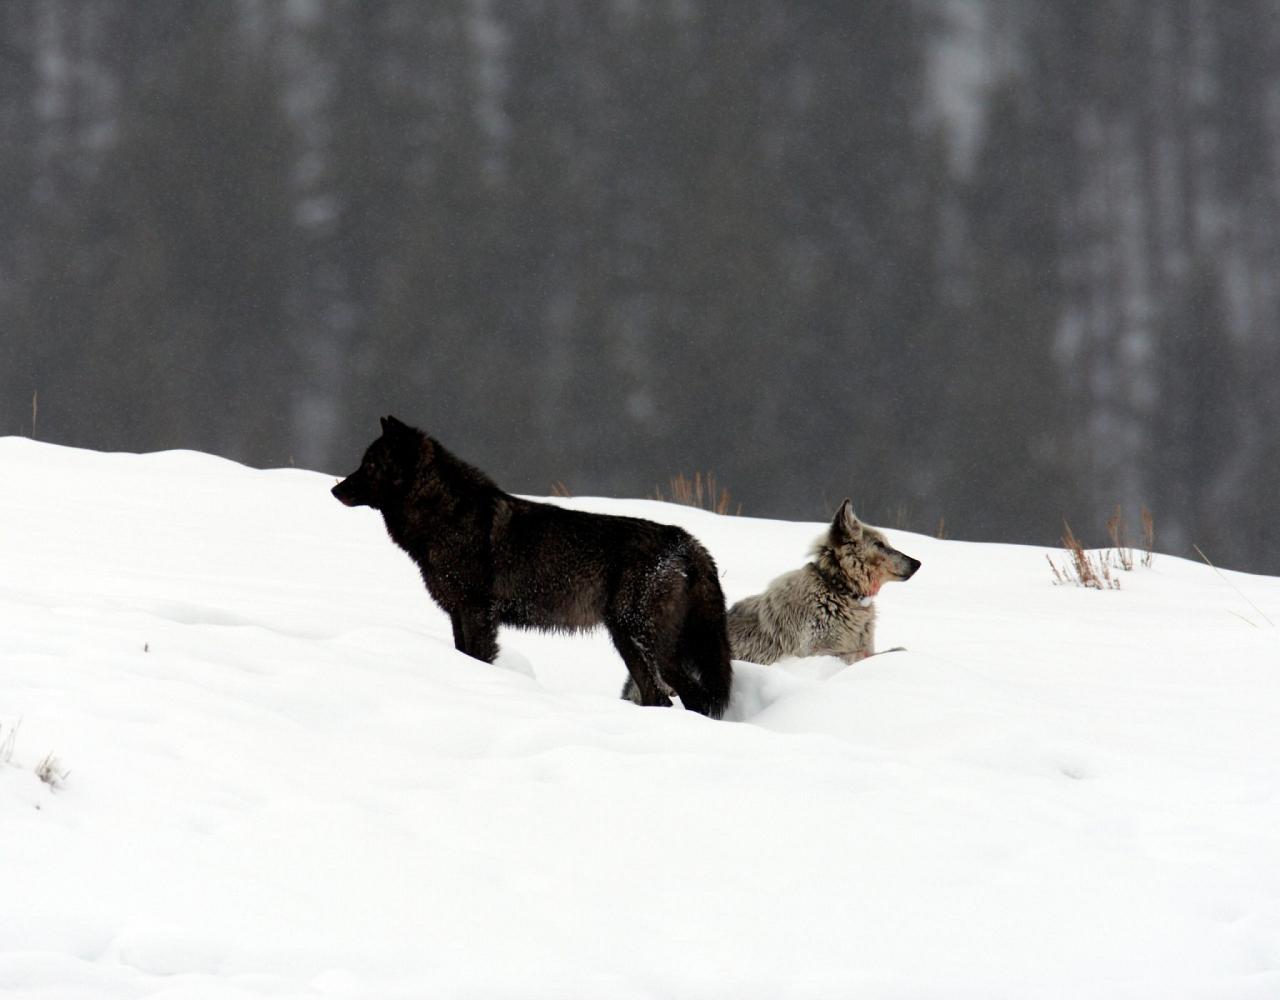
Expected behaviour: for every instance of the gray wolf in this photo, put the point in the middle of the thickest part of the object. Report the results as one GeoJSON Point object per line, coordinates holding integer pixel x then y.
{"type": "Point", "coordinates": [489, 558]}
{"type": "Point", "coordinates": [825, 607]}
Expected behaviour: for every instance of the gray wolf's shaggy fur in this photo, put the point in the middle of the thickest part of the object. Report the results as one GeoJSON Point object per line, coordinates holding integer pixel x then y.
{"type": "Point", "coordinates": [489, 558]}
{"type": "Point", "coordinates": [825, 607]}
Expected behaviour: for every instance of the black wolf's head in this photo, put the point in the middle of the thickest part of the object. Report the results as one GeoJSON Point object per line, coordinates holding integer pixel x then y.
{"type": "Point", "coordinates": [860, 555]}
{"type": "Point", "coordinates": [388, 468]}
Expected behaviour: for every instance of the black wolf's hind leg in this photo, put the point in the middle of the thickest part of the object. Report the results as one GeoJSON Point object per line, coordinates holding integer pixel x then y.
{"type": "Point", "coordinates": [475, 632]}
{"type": "Point", "coordinates": [647, 686]}
{"type": "Point", "coordinates": [699, 667]}
{"type": "Point", "coordinates": [693, 695]}
{"type": "Point", "coordinates": [630, 692]}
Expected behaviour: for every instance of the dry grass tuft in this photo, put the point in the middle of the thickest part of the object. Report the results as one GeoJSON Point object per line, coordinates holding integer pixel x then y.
{"type": "Point", "coordinates": [7, 741]}
{"type": "Point", "coordinates": [1117, 531]}
{"type": "Point", "coordinates": [1243, 596]}
{"type": "Point", "coordinates": [700, 491]}
{"type": "Point", "coordinates": [559, 489]}
{"type": "Point", "coordinates": [1082, 568]}
{"type": "Point", "coordinates": [1094, 569]}
{"type": "Point", "coordinates": [51, 772]}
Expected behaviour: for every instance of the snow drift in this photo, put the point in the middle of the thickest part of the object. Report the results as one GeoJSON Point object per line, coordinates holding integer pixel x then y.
{"type": "Point", "coordinates": [282, 781]}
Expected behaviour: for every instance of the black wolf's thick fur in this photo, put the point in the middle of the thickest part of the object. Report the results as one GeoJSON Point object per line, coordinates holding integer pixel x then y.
{"type": "Point", "coordinates": [489, 558]}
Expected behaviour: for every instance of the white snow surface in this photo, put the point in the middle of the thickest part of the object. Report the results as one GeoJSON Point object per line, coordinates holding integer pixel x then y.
{"type": "Point", "coordinates": [282, 780]}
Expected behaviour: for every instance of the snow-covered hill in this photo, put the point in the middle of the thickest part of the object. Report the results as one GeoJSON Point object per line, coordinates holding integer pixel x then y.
{"type": "Point", "coordinates": [282, 781]}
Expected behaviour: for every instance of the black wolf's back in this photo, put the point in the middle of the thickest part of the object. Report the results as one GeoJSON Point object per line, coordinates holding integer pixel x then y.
{"type": "Point", "coordinates": [556, 568]}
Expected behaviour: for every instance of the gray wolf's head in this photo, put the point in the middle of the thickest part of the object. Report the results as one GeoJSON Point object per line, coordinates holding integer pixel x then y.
{"type": "Point", "coordinates": [388, 468]}
{"type": "Point", "coordinates": [860, 555]}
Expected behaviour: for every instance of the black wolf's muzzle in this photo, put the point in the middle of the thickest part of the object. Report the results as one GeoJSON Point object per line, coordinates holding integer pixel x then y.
{"type": "Point", "coordinates": [348, 492]}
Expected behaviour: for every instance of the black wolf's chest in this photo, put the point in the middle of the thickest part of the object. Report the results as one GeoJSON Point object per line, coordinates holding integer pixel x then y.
{"type": "Point", "coordinates": [453, 556]}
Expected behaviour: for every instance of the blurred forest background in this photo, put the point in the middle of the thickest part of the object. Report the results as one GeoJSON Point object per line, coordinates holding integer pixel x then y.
{"type": "Point", "coordinates": [987, 261]}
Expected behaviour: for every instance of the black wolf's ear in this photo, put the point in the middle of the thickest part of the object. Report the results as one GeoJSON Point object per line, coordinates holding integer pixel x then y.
{"type": "Point", "coordinates": [846, 521]}
{"type": "Point", "coordinates": [407, 440]}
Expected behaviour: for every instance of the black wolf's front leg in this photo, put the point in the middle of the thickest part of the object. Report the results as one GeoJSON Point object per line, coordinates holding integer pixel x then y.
{"type": "Point", "coordinates": [475, 632]}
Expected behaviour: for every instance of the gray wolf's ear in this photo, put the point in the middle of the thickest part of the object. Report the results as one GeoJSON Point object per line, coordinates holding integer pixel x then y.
{"type": "Point", "coordinates": [846, 521]}
{"type": "Point", "coordinates": [390, 425]}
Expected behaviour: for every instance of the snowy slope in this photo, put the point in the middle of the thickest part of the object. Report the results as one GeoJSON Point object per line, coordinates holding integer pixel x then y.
{"type": "Point", "coordinates": [284, 782]}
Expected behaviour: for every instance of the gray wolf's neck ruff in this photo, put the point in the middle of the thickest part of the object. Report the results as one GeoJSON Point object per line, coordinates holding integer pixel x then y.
{"type": "Point", "coordinates": [826, 564]}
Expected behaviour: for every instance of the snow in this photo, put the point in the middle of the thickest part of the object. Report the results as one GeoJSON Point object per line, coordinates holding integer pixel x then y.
{"type": "Point", "coordinates": [282, 781]}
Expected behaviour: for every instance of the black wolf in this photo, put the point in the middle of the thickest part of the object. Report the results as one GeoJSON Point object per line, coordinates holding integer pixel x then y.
{"type": "Point", "coordinates": [489, 558]}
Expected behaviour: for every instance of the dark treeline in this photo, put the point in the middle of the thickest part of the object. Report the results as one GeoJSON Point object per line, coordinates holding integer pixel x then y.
{"type": "Point", "coordinates": [602, 241]}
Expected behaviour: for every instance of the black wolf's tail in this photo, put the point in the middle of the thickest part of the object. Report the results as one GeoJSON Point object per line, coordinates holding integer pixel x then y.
{"type": "Point", "coordinates": [702, 651]}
